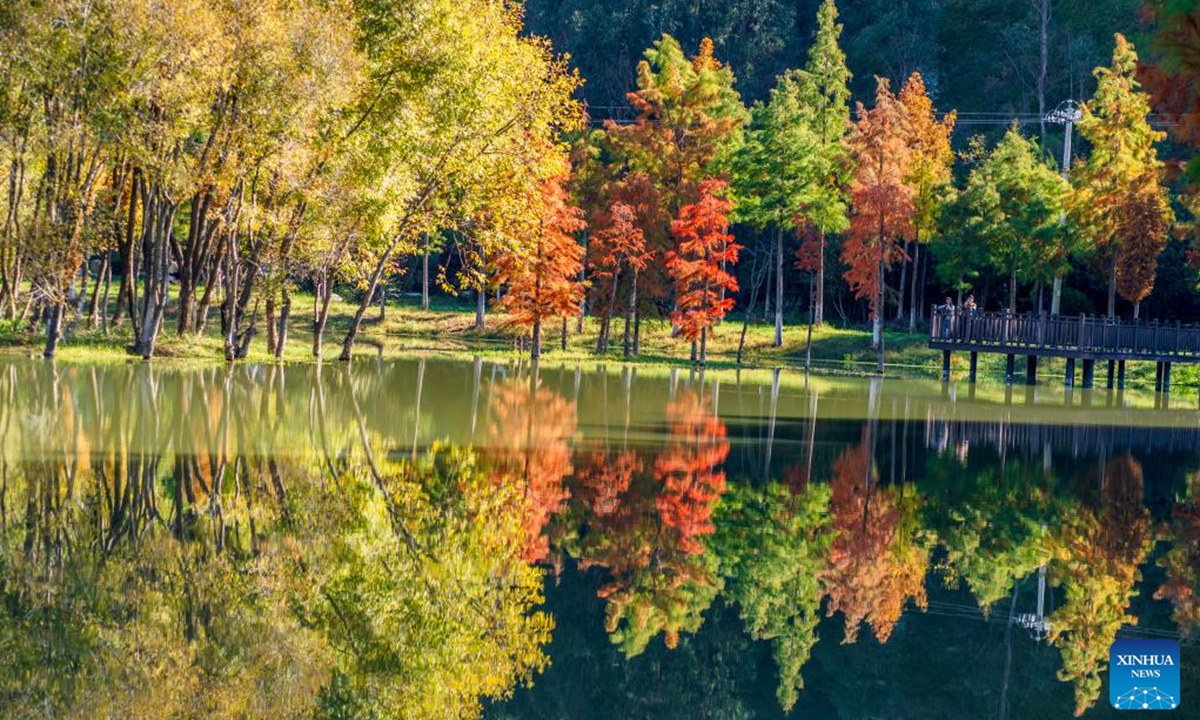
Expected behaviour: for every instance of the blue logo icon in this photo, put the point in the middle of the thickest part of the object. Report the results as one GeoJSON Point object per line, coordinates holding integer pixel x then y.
{"type": "Point", "coordinates": [1143, 675]}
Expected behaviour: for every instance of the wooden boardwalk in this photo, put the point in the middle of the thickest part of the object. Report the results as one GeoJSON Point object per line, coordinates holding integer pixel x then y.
{"type": "Point", "coordinates": [1083, 338]}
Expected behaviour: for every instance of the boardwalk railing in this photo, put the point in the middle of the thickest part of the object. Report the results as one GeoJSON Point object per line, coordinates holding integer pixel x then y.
{"type": "Point", "coordinates": [1059, 335]}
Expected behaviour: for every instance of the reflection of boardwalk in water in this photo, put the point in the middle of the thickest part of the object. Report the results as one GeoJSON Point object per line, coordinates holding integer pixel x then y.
{"type": "Point", "coordinates": [942, 434]}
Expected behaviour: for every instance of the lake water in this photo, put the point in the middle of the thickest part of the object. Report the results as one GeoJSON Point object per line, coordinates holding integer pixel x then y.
{"type": "Point", "coordinates": [433, 538]}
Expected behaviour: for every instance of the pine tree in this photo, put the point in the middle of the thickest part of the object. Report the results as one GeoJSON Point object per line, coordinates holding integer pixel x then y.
{"type": "Point", "coordinates": [1012, 206]}
{"type": "Point", "coordinates": [1118, 194]}
{"type": "Point", "coordinates": [826, 91]}
{"type": "Point", "coordinates": [777, 172]}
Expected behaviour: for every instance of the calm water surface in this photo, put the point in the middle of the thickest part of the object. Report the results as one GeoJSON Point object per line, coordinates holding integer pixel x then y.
{"type": "Point", "coordinates": [431, 538]}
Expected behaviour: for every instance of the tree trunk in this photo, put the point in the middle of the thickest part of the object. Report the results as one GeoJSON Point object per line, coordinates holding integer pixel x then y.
{"type": "Point", "coordinates": [322, 317]}
{"type": "Point", "coordinates": [1112, 287]}
{"type": "Point", "coordinates": [425, 278]}
{"type": "Point", "coordinates": [480, 308]}
{"type": "Point", "coordinates": [564, 333]}
{"type": "Point", "coordinates": [606, 321]}
{"type": "Point", "coordinates": [272, 328]}
{"type": "Point", "coordinates": [127, 254]}
{"type": "Point", "coordinates": [1012, 289]}
{"type": "Point", "coordinates": [778, 288]}
{"type": "Point", "coordinates": [903, 284]}
{"type": "Point", "coordinates": [158, 219]}
{"type": "Point", "coordinates": [1056, 294]}
{"type": "Point", "coordinates": [912, 310]}
{"type": "Point", "coordinates": [819, 304]}
{"type": "Point", "coordinates": [94, 311]}
{"type": "Point", "coordinates": [53, 325]}
{"type": "Point", "coordinates": [629, 312]}
{"type": "Point", "coordinates": [637, 330]}
{"type": "Point", "coordinates": [1137, 309]}
{"type": "Point", "coordinates": [1044, 42]}
{"type": "Point", "coordinates": [285, 312]}
{"type": "Point", "coordinates": [535, 347]}
{"type": "Point", "coordinates": [703, 345]}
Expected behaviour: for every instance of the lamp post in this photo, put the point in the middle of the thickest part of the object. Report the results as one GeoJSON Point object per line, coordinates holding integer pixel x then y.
{"type": "Point", "coordinates": [1067, 113]}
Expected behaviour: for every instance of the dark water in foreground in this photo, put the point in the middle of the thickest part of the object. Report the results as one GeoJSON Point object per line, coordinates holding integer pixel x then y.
{"type": "Point", "coordinates": [434, 539]}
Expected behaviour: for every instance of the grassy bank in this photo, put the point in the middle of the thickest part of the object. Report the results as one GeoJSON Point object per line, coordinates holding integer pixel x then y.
{"type": "Point", "coordinates": [449, 328]}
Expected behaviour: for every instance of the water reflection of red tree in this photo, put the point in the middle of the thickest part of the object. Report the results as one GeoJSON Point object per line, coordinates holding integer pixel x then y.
{"type": "Point", "coordinates": [644, 524]}
{"type": "Point", "coordinates": [530, 442]}
{"type": "Point", "coordinates": [691, 470]}
{"type": "Point", "coordinates": [874, 566]}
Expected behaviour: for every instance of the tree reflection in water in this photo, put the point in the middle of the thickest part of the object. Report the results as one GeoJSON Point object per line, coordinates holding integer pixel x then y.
{"type": "Point", "coordinates": [283, 542]}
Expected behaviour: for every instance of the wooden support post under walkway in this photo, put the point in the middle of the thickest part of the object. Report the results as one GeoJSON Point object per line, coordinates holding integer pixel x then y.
{"type": "Point", "coordinates": [1009, 369]}
{"type": "Point", "coordinates": [1085, 338]}
{"type": "Point", "coordinates": [974, 367]}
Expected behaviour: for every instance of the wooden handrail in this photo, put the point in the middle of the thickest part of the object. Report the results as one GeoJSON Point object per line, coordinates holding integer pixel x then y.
{"type": "Point", "coordinates": [1088, 334]}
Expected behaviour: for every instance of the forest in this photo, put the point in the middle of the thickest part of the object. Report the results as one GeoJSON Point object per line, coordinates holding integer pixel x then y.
{"type": "Point", "coordinates": [226, 169]}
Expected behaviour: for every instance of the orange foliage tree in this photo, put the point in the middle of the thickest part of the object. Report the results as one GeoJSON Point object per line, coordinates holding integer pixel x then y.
{"type": "Point", "coordinates": [619, 249]}
{"type": "Point", "coordinates": [542, 269]}
{"type": "Point", "coordinates": [1146, 226]}
{"type": "Point", "coordinates": [929, 174]}
{"type": "Point", "coordinates": [698, 265]}
{"type": "Point", "coordinates": [882, 207]}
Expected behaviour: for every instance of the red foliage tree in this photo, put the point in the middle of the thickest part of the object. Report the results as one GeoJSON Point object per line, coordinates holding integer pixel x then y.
{"type": "Point", "coordinates": [704, 249]}
{"type": "Point", "coordinates": [542, 271]}
{"type": "Point", "coordinates": [881, 199]}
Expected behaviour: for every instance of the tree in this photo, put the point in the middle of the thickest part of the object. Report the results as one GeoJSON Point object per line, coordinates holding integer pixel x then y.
{"type": "Point", "coordinates": [881, 201]}
{"type": "Point", "coordinates": [1014, 206]}
{"type": "Point", "coordinates": [545, 283]}
{"type": "Point", "coordinates": [689, 119]}
{"type": "Point", "coordinates": [826, 91]}
{"type": "Point", "coordinates": [1118, 199]}
{"type": "Point", "coordinates": [704, 249]}
{"type": "Point", "coordinates": [618, 248]}
{"type": "Point", "coordinates": [773, 171]}
{"type": "Point", "coordinates": [929, 176]}
{"type": "Point", "coordinates": [1146, 227]}
{"type": "Point", "coordinates": [464, 121]}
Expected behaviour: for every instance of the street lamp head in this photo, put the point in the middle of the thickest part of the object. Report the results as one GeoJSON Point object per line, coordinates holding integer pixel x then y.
{"type": "Point", "coordinates": [1068, 111]}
